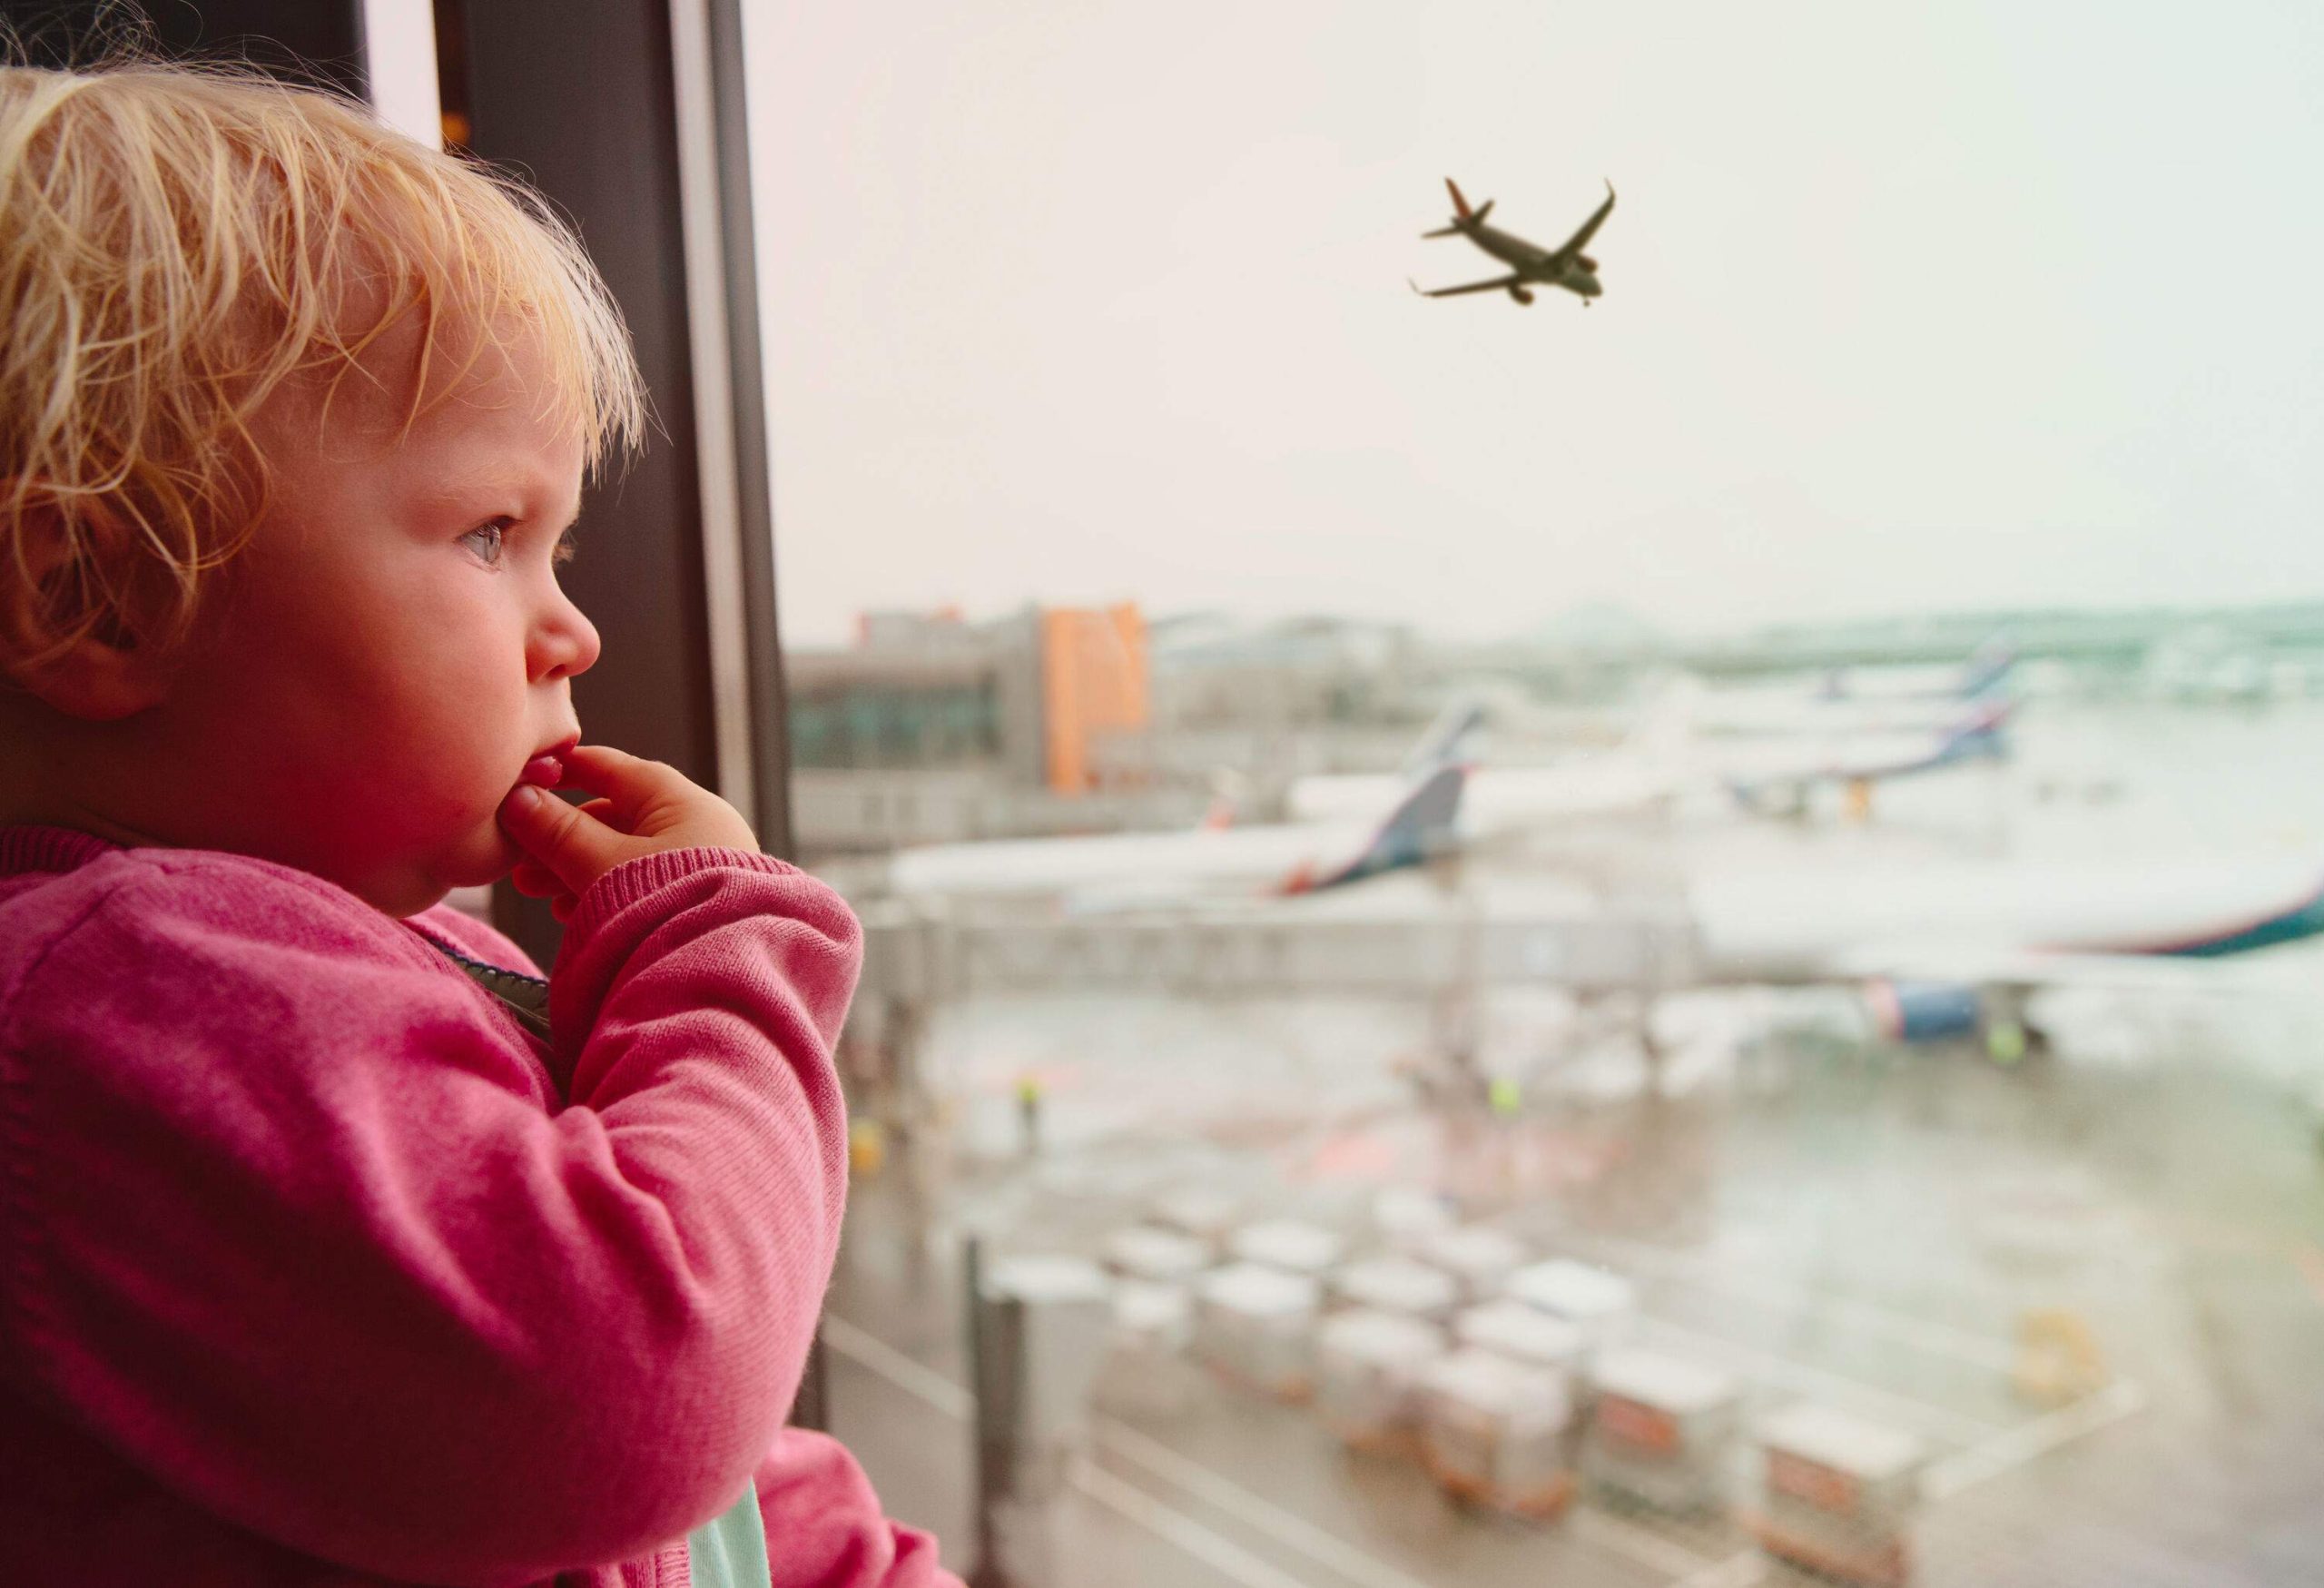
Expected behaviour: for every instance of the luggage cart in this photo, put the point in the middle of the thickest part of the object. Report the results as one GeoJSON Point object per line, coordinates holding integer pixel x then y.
{"type": "Point", "coordinates": [1368, 1368]}
{"type": "Point", "coordinates": [1256, 1327]}
{"type": "Point", "coordinates": [1662, 1430]}
{"type": "Point", "coordinates": [1492, 1432]}
{"type": "Point", "coordinates": [1838, 1494]}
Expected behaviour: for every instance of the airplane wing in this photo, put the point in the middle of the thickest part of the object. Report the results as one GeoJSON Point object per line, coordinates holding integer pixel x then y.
{"type": "Point", "coordinates": [1499, 284]}
{"type": "Point", "coordinates": [1580, 240]}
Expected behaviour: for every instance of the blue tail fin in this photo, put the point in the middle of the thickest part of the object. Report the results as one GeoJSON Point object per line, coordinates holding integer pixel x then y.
{"type": "Point", "coordinates": [1417, 831]}
{"type": "Point", "coordinates": [1979, 733]}
{"type": "Point", "coordinates": [1989, 669]}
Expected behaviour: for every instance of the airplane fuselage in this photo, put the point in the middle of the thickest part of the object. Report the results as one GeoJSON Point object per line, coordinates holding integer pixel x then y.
{"type": "Point", "coordinates": [1804, 925]}
{"type": "Point", "coordinates": [1532, 261]}
{"type": "Point", "coordinates": [1530, 264]}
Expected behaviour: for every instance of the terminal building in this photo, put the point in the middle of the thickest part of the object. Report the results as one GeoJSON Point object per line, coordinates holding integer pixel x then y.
{"type": "Point", "coordinates": [932, 728]}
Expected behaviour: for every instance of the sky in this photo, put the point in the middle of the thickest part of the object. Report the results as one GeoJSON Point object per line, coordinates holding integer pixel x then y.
{"type": "Point", "coordinates": [1908, 308]}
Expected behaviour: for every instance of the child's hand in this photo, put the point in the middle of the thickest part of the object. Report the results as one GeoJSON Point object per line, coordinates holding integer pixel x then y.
{"type": "Point", "coordinates": [642, 807]}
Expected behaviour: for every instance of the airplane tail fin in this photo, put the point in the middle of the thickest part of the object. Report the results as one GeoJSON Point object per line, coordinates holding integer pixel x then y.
{"type": "Point", "coordinates": [1417, 831]}
{"type": "Point", "coordinates": [1464, 216]}
{"type": "Point", "coordinates": [1446, 739]}
{"type": "Point", "coordinates": [1977, 734]}
{"type": "Point", "coordinates": [1989, 669]}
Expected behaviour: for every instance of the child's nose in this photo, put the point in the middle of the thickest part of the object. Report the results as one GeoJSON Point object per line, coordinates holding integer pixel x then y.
{"type": "Point", "coordinates": [565, 644]}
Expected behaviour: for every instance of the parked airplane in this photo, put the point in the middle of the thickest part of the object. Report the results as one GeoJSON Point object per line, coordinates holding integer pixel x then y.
{"type": "Point", "coordinates": [1946, 949]}
{"type": "Point", "coordinates": [1530, 263]}
{"type": "Point", "coordinates": [1896, 700]}
{"type": "Point", "coordinates": [1985, 672]}
{"type": "Point", "coordinates": [1778, 777]}
{"type": "Point", "coordinates": [1648, 769]}
{"type": "Point", "coordinates": [1118, 871]}
{"type": "Point", "coordinates": [1662, 762]}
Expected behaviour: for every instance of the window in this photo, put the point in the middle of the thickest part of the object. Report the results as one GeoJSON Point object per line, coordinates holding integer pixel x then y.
{"type": "Point", "coordinates": [1744, 789]}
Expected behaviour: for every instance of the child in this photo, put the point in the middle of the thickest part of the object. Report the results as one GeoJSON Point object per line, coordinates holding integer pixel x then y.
{"type": "Point", "coordinates": [329, 1253]}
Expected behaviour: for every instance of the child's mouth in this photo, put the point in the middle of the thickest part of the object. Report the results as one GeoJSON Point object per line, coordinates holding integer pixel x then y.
{"type": "Point", "coordinates": [546, 770]}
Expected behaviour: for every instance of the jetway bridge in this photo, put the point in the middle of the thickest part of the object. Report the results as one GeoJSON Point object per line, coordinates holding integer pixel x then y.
{"type": "Point", "coordinates": [924, 955]}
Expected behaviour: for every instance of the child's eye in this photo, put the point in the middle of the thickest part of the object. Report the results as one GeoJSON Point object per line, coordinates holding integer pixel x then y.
{"type": "Point", "coordinates": [486, 540]}
{"type": "Point", "coordinates": [565, 549]}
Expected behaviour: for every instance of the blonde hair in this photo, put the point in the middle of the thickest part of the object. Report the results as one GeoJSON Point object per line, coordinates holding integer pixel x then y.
{"type": "Point", "coordinates": [176, 244]}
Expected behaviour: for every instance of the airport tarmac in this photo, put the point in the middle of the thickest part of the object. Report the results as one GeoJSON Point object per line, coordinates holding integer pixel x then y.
{"type": "Point", "coordinates": [1867, 1230]}
{"type": "Point", "coordinates": [1867, 1226]}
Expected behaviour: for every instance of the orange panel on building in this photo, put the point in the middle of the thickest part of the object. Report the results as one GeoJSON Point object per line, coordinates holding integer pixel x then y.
{"type": "Point", "coordinates": [1093, 681]}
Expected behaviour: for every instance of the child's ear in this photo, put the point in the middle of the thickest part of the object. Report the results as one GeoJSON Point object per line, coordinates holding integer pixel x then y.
{"type": "Point", "coordinates": [60, 640]}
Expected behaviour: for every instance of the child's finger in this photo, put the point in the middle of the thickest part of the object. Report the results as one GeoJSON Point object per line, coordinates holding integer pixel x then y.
{"type": "Point", "coordinates": [575, 848]}
{"type": "Point", "coordinates": [628, 782]}
{"type": "Point", "coordinates": [653, 800]}
{"type": "Point", "coordinates": [535, 881]}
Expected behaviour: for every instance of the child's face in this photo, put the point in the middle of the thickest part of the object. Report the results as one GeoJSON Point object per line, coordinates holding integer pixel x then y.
{"type": "Point", "coordinates": [393, 648]}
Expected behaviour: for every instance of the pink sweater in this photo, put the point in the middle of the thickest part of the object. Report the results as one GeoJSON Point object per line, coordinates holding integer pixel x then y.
{"type": "Point", "coordinates": [315, 1268]}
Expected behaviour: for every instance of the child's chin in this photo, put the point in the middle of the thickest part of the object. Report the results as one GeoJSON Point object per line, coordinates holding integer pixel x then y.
{"type": "Point", "coordinates": [484, 860]}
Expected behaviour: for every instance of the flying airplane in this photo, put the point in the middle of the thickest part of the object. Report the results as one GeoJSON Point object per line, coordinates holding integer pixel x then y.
{"type": "Point", "coordinates": [1108, 872]}
{"type": "Point", "coordinates": [1530, 264]}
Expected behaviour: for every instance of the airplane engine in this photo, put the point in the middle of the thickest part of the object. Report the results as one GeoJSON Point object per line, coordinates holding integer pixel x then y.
{"type": "Point", "coordinates": [1924, 1012]}
{"type": "Point", "coordinates": [1586, 263]}
{"type": "Point", "coordinates": [1522, 294]}
{"type": "Point", "coordinates": [1911, 1012]}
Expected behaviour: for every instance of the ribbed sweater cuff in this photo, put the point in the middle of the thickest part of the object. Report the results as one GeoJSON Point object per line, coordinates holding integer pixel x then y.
{"type": "Point", "coordinates": [633, 880]}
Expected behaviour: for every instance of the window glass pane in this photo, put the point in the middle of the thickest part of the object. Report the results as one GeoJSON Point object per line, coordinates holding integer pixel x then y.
{"type": "Point", "coordinates": [1691, 878]}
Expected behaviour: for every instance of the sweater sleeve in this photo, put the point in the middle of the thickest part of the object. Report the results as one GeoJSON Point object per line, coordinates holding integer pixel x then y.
{"type": "Point", "coordinates": [294, 1223]}
{"type": "Point", "coordinates": [825, 1527]}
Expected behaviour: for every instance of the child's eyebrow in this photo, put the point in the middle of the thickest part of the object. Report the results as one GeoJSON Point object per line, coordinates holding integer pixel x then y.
{"type": "Point", "coordinates": [474, 496]}
{"type": "Point", "coordinates": [488, 496]}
